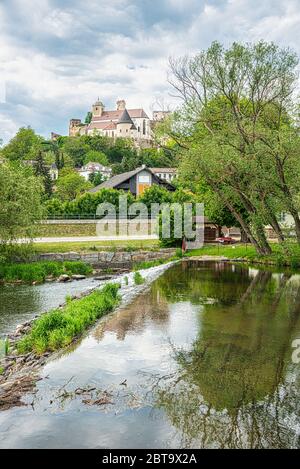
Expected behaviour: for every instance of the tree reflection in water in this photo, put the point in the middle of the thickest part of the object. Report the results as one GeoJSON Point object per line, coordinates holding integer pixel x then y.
{"type": "Point", "coordinates": [236, 385]}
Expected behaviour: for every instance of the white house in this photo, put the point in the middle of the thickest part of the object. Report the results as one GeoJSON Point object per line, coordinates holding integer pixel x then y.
{"type": "Point", "coordinates": [92, 168]}
{"type": "Point", "coordinates": [168, 174]}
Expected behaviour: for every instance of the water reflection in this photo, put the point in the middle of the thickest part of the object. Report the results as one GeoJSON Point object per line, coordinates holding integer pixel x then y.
{"type": "Point", "coordinates": [236, 386]}
{"type": "Point", "coordinates": [205, 355]}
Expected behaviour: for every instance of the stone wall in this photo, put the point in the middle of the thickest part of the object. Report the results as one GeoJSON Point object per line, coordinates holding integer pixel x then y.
{"type": "Point", "coordinates": [109, 259]}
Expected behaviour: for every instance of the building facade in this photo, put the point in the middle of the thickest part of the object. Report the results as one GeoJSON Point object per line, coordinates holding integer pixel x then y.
{"type": "Point", "coordinates": [121, 122]}
{"type": "Point", "coordinates": [168, 174]}
{"type": "Point", "coordinates": [136, 181]}
{"type": "Point", "coordinates": [92, 168]}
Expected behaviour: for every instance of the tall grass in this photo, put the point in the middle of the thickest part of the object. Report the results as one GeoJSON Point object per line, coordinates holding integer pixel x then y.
{"type": "Point", "coordinates": [138, 279]}
{"type": "Point", "coordinates": [58, 328]}
{"type": "Point", "coordinates": [38, 271]}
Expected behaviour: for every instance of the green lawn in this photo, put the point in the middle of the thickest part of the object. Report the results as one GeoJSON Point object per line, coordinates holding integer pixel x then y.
{"type": "Point", "coordinates": [64, 230]}
{"type": "Point", "coordinates": [290, 256]}
{"type": "Point", "coordinates": [86, 246]}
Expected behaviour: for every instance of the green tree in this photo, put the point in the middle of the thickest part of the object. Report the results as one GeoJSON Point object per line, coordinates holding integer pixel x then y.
{"type": "Point", "coordinates": [96, 178]}
{"type": "Point", "coordinates": [20, 202]}
{"type": "Point", "coordinates": [237, 125]}
{"type": "Point", "coordinates": [76, 149]}
{"type": "Point", "coordinates": [88, 118]}
{"type": "Point", "coordinates": [41, 170]}
{"type": "Point", "coordinates": [23, 146]}
{"type": "Point", "coordinates": [71, 185]}
{"type": "Point", "coordinates": [94, 156]}
{"type": "Point", "coordinates": [155, 194]}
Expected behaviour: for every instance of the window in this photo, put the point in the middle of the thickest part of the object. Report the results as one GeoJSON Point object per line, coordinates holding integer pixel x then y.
{"type": "Point", "coordinates": [144, 127]}
{"type": "Point", "coordinates": [144, 178]}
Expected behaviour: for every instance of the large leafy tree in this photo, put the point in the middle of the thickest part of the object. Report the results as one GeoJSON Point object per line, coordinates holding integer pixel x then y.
{"type": "Point", "coordinates": [76, 149]}
{"type": "Point", "coordinates": [238, 130]}
{"type": "Point", "coordinates": [20, 202]}
{"type": "Point", "coordinates": [70, 185]}
{"type": "Point", "coordinates": [96, 157]}
{"type": "Point", "coordinates": [23, 146]}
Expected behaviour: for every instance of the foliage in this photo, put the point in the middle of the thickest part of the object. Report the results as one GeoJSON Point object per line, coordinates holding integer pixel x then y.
{"type": "Point", "coordinates": [71, 185]}
{"type": "Point", "coordinates": [88, 118]}
{"type": "Point", "coordinates": [20, 202]}
{"type": "Point", "coordinates": [94, 156]}
{"type": "Point", "coordinates": [239, 132]}
{"type": "Point", "coordinates": [155, 194]}
{"type": "Point", "coordinates": [42, 171]}
{"type": "Point", "coordinates": [76, 149]}
{"type": "Point", "coordinates": [138, 279]}
{"type": "Point", "coordinates": [96, 178]}
{"type": "Point", "coordinates": [59, 327]}
{"type": "Point", "coordinates": [23, 146]}
{"type": "Point", "coordinates": [38, 271]}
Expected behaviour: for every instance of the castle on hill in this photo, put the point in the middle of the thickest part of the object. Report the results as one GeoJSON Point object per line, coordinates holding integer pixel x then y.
{"type": "Point", "coordinates": [121, 122]}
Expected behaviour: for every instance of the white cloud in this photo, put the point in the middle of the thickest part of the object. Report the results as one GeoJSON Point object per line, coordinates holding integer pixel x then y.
{"type": "Point", "coordinates": [57, 57]}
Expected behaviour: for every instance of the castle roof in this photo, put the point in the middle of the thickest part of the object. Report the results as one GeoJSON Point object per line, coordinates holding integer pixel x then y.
{"type": "Point", "coordinates": [125, 118]}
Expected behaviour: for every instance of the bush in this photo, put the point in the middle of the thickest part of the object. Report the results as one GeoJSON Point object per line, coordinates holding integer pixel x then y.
{"type": "Point", "coordinates": [38, 271]}
{"type": "Point", "coordinates": [58, 328]}
{"type": "Point", "coordinates": [138, 279]}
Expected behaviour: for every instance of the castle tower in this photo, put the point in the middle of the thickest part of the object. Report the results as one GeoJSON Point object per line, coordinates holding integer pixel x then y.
{"type": "Point", "coordinates": [74, 127]}
{"type": "Point", "coordinates": [121, 105]}
{"type": "Point", "coordinates": [97, 108]}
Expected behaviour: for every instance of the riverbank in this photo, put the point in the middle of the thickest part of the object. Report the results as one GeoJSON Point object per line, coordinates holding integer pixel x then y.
{"type": "Point", "coordinates": [36, 341]}
{"type": "Point", "coordinates": [280, 257]}
{"type": "Point", "coordinates": [39, 272]}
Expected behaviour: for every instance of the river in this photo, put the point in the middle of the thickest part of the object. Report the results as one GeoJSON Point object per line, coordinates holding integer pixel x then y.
{"type": "Point", "coordinates": [200, 359]}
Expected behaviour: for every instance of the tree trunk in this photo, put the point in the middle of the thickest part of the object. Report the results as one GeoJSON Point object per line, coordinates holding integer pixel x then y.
{"type": "Point", "coordinates": [259, 228]}
{"type": "Point", "coordinates": [296, 218]}
{"type": "Point", "coordinates": [244, 226]}
{"type": "Point", "coordinates": [289, 199]}
{"type": "Point", "coordinates": [244, 237]}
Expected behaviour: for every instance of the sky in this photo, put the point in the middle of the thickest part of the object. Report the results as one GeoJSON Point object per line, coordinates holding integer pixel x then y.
{"type": "Point", "coordinates": [58, 56]}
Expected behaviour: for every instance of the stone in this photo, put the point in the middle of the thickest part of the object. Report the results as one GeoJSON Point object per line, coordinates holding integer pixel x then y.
{"type": "Point", "coordinates": [71, 256]}
{"type": "Point", "coordinates": [103, 277]}
{"type": "Point", "coordinates": [64, 278]}
{"type": "Point", "coordinates": [78, 277]}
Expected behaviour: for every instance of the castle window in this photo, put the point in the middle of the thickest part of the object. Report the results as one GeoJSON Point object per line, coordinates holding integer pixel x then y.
{"type": "Point", "coordinates": [144, 127]}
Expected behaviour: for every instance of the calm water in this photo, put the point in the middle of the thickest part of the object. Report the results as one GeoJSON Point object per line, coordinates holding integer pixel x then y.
{"type": "Point", "coordinates": [204, 358]}
{"type": "Point", "coordinates": [19, 303]}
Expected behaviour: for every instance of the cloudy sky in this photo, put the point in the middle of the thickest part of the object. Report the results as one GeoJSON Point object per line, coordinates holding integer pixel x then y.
{"type": "Point", "coordinates": [58, 56]}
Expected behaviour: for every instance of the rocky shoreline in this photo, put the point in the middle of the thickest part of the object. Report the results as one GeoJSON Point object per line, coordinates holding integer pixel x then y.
{"type": "Point", "coordinates": [20, 373]}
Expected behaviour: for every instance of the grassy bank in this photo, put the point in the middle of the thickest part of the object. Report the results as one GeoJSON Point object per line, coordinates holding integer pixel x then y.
{"type": "Point", "coordinates": [281, 256]}
{"type": "Point", "coordinates": [61, 230]}
{"type": "Point", "coordinates": [39, 271]}
{"type": "Point", "coordinates": [87, 246]}
{"type": "Point", "coordinates": [59, 327]}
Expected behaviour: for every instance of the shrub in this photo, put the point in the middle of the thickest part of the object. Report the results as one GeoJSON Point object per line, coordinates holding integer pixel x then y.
{"type": "Point", "coordinates": [138, 279]}
{"type": "Point", "coordinates": [38, 271]}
